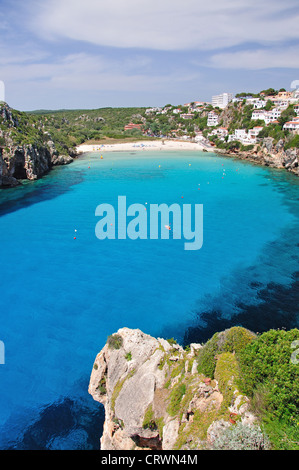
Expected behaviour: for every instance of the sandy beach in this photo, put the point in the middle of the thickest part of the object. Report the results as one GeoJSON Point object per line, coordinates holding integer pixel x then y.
{"type": "Point", "coordinates": [144, 145]}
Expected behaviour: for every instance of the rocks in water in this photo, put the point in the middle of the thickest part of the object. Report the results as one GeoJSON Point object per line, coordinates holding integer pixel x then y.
{"type": "Point", "coordinates": [62, 159]}
{"type": "Point", "coordinates": [269, 154]}
{"type": "Point", "coordinates": [28, 162]}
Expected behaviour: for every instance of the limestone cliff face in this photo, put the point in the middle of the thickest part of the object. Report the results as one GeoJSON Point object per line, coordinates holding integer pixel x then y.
{"type": "Point", "coordinates": [271, 155]}
{"type": "Point", "coordinates": [28, 161]}
{"type": "Point", "coordinates": [154, 397]}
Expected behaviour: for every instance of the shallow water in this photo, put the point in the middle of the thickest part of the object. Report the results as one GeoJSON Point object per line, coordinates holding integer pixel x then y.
{"type": "Point", "coordinates": [61, 297]}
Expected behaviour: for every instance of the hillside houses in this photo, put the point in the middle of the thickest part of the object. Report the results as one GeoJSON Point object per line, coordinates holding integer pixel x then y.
{"type": "Point", "coordinates": [220, 132]}
{"type": "Point", "coordinates": [213, 119]}
{"type": "Point", "coordinates": [199, 120]}
{"type": "Point", "coordinates": [246, 138]}
{"type": "Point", "coordinates": [153, 110]}
{"type": "Point", "coordinates": [257, 103]}
{"type": "Point", "coordinates": [292, 125]}
{"type": "Point", "coordinates": [187, 115]}
{"type": "Point", "coordinates": [267, 116]}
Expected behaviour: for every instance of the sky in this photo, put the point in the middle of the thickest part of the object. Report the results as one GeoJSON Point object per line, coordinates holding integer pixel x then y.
{"type": "Point", "coordinates": [87, 54]}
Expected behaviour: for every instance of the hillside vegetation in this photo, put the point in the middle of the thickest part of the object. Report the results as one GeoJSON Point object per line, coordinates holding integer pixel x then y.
{"type": "Point", "coordinates": [268, 372]}
{"type": "Point", "coordinates": [237, 391]}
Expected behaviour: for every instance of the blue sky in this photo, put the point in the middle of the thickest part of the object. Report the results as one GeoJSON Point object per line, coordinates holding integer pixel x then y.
{"type": "Point", "coordinates": [89, 54]}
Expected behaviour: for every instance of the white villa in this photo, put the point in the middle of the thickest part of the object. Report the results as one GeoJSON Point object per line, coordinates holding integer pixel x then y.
{"type": "Point", "coordinates": [213, 119]}
{"type": "Point", "coordinates": [267, 116]}
{"type": "Point", "coordinates": [153, 110]}
{"type": "Point", "coordinates": [221, 132]}
{"type": "Point", "coordinates": [245, 138]}
{"type": "Point", "coordinates": [187, 116]}
{"type": "Point", "coordinates": [256, 102]}
{"type": "Point", "coordinates": [292, 125]}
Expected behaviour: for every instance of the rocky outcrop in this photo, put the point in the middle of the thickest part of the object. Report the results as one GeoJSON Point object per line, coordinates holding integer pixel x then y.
{"type": "Point", "coordinates": [268, 154]}
{"type": "Point", "coordinates": [28, 161]}
{"type": "Point", "coordinates": [62, 159]}
{"type": "Point", "coordinates": [155, 398]}
{"type": "Point", "coordinates": [6, 180]}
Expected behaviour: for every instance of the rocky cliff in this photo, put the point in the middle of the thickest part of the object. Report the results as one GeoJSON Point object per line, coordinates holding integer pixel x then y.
{"type": "Point", "coordinates": [25, 160]}
{"type": "Point", "coordinates": [269, 154]}
{"type": "Point", "coordinates": [155, 398]}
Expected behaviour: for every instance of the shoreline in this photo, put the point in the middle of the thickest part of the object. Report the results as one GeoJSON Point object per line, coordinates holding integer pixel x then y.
{"type": "Point", "coordinates": [279, 161]}
{"type": "Point", "coordinates": [284, 162]}
{"type": "Point", "coordinates": [143, 146]}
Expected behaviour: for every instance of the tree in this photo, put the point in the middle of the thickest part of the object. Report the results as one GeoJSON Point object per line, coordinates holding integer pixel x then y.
{"type": "Point", "coordinates": [287, 115]}
{"type": "Point", "coordinates": [269, 105]}
{"type": "Point", "coordinates": [269, 91]}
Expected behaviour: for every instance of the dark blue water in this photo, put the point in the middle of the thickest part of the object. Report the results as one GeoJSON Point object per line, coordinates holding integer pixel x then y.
{"type": "Point", "coordinates": [61, 297]}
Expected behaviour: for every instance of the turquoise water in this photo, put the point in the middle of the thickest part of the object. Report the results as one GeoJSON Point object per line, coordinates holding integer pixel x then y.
{"type": "Point", "coordinates": [61, 297]}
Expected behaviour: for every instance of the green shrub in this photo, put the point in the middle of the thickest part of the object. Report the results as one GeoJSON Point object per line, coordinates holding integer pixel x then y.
{"type": "Point", "coordinates": [115, 341]}
{"type": "Point", "coordinates": [241, 437]}
{"type": "Point", "coordinates": [207, 356]}
{"type": "Point", "coordinates": [171, 341]}
{"type": "Point", "coordinates": [176, 396]}
{"type": "Point", "coordinates": [267, 361]}
{"type": "Point", "coordinates": [148, 420]}
{"type": "Point", "coordinates": [271, 379]}
{"type": "Point", "coordinates": [226, 372]}
{"type": "Point", "coordinates": [236, 338]}
{"type": "Point", "coordinates": [293, 142]}
{"type": "Point", "coordinates": [231, 340]}
{"type": "Point", "coordinates": [102, 386]}
{"type": "Point", "coordinates": [128, 356]}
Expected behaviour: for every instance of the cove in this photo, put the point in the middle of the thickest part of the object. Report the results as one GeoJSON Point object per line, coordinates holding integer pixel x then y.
{"type": "Point", "coordinates": [63, 291]}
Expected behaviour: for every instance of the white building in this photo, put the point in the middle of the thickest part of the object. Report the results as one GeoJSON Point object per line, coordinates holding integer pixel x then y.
{"type": "Point", "coordinates": [253, 133]}
{"type": "Point", "coordinates": [239, 135]}
{"type": "Point", "coordinates": [153, 110]}
{"type": "Point", "coordinates": [221, 101]}
{"type": "Point", "coordinates": [274, 114]}
{"type": "Point", "coordinates": [256, 102]}
{"type": "Point", "coordinates": [199, 137]}
{"type": "Point", "coordinates": [237, 100]}
{"type": "Point", "coordinates": [281, 102]}
{"type": "Point", "coordinates": [213, 119]}
{"type": "Point", "coordinates": [187, 116]}
{"type": "Point", "coordinates": [258, 114]}
{"type": "Point", "coordinates": [292, 125]}
{"type": "Point", "coordinates": [221, 132]}
{"type": "Point", "coordinates": [267, 116]}
{"type": "Point", "coordinates": [245, 138]}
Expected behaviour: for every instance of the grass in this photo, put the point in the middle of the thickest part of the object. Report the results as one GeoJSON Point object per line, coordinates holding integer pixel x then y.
{"type": "Point", "coordinates": [114, 341]}
{"type": "Point", "coordinates": [175, 398]}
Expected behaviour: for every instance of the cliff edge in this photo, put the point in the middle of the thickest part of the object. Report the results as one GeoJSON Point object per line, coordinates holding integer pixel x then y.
{"type": "Point", "coordinates": [155, 398]}
{"type": "Point", "coordinates": [268, 154]}
{"type": "Point", "coordinates": [27, 150]}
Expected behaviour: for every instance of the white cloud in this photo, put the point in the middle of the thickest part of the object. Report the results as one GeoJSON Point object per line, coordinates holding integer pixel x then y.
{"type": "Point", "coordinates": [167, 24]}
{"type": "Point", "coordinates": [257, 59]}
{"type": "Point", "coordinates": [94, 72]}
